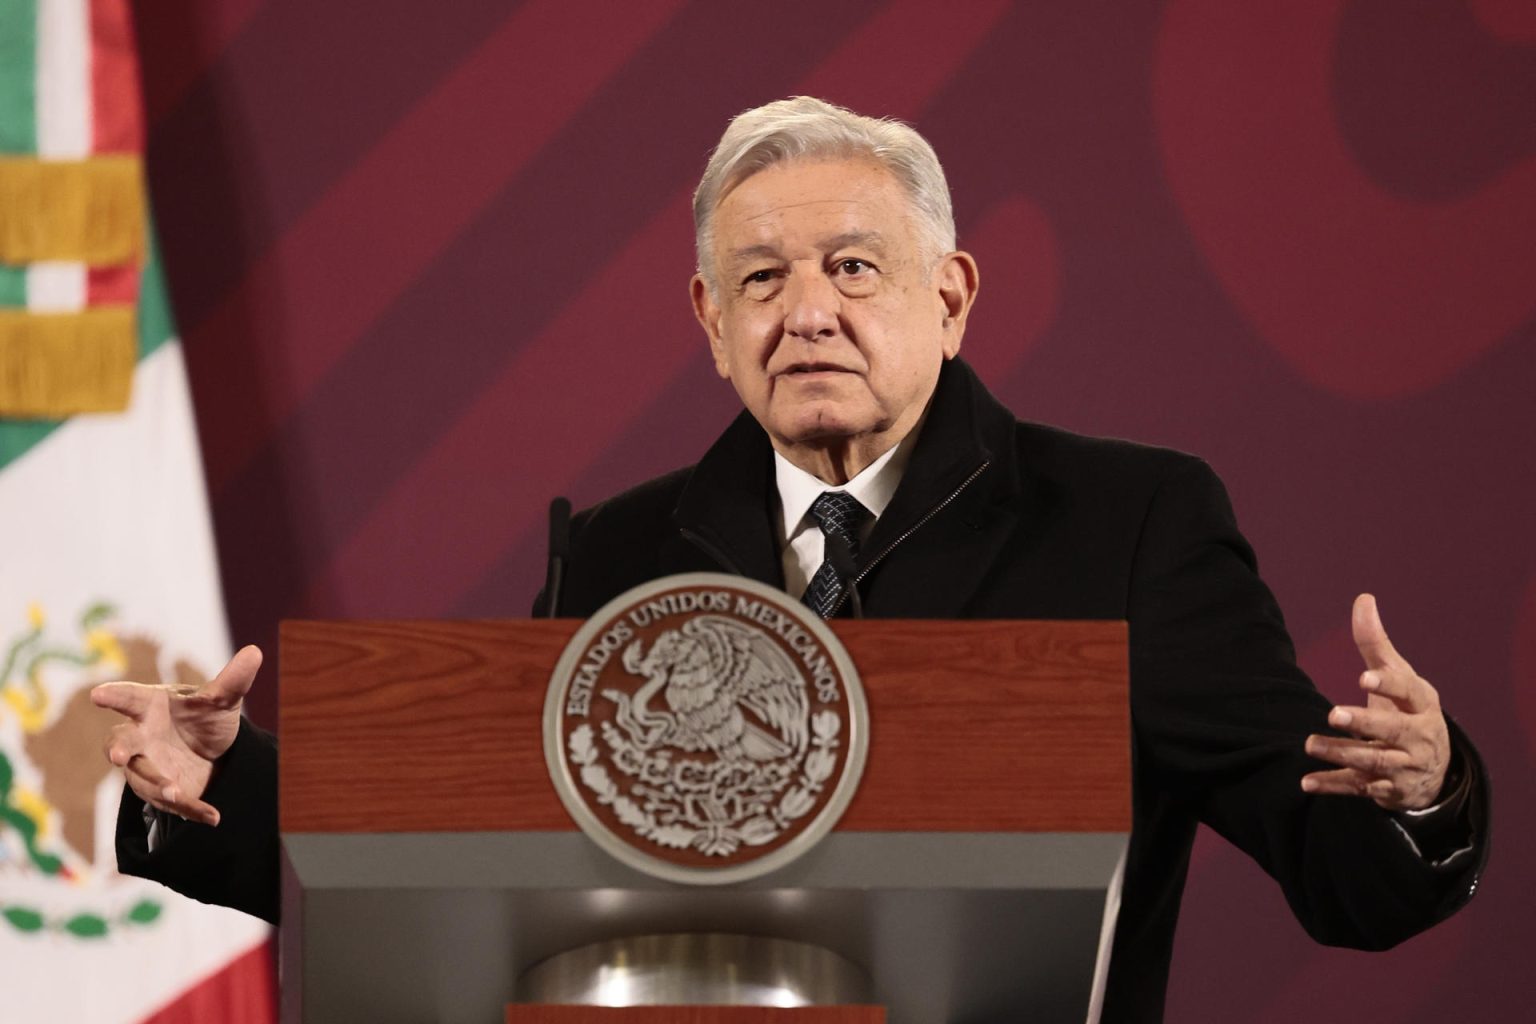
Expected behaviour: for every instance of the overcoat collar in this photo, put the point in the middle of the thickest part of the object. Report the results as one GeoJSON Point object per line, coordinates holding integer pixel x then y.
{"type": "Point", "coordinates": [726, 507]}
{"type": "Point", "coordinates": [927, 553]}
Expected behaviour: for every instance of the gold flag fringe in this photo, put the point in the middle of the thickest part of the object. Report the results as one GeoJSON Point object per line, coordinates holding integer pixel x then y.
{"type": "Point", "coordinates": [54, 365]}
{"type": "Point", "coordinates": [89, 211]}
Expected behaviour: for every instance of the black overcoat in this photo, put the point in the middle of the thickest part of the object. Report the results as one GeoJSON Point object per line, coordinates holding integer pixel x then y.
{"type": "Point", "coordinates": [996, 518]}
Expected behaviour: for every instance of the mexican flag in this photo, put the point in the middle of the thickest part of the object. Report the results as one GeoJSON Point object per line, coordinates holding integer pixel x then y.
{"type": "Point", "coordinates": [107, 564]}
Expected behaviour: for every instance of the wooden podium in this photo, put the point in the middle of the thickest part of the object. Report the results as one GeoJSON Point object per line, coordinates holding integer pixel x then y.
{"type": "Point", "coordinates": [430, 861]}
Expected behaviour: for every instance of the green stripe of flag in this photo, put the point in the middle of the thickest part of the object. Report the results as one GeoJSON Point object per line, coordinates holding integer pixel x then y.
{"type": "Point", "coordinates": [18, 76]}
{"type": "Point", "coordinates": [17, 437]}
{"type": "Point", "coordinates": [156, 324]}
{"type": "Point", "coordinates": [13, 286]}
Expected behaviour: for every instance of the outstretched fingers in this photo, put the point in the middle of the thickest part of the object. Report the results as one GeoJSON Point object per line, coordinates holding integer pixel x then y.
{"type": "Point", "coordinates": [124, 743]}
{"type": "Point", "coordinates": [158, 790]}
{"type": "Point", "coordinates": [1399, 745]}
{"type": "Point", "coordinates": [131, 700]}
{"type": "Point", "coordinates": [1340, 781]}
{"type": "Point", "coordinates": [1386, 724]}
{"type": "Point", "coordinates": [1370, 635]}
{"type": "Point", "coordinates": [1405, 688]}
{"type": "Point", "coordinates": [1387, 673]}
{"type": "Point", "coordinates": [1351, 782]}
{"type": "Point", "coordinates": [226, 690]}
{"type": "Point", "coordinates": [1361, 755]}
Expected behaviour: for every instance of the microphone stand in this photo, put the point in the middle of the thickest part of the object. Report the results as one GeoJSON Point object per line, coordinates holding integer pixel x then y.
{"type": "Point", "coordinates": [559, 552]}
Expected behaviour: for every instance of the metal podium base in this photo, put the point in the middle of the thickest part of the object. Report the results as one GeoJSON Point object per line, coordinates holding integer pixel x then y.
{"type": "Point", "coordinates": [704, 969]}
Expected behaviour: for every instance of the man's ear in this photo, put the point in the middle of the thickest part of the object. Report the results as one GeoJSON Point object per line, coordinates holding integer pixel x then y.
{"type": "Point", "coordinates": [707, 312]}
{"type": "Point", "coordinates": [958, 280]}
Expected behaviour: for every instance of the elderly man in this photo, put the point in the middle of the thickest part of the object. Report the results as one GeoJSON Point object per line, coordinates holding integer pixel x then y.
{"type": "Point", "coordinates": [835, 302]}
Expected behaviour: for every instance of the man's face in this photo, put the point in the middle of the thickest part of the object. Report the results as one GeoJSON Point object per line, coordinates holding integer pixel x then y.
{"type": "Point", "coordinates": [828, 318]}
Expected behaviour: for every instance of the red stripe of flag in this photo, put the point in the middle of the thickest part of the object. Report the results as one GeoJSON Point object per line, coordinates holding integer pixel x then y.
{"type": "Point", "coordinates": [512, 417]}
{"type": "Point", "coordinates": [117, 125]}
{"type": "Point", "coordinates": [112, 285]}
{"type": "Point", "coordinates": [244, 991]}
{"type": "Point", "coordinates": [118, 118]}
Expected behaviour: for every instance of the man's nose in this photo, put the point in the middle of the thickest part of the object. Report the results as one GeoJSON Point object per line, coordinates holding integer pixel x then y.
{"type": "Point", "coordinates": [811, 305]}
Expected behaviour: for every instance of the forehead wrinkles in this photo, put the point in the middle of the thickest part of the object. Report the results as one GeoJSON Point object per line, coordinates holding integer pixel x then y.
{"type": "Point", "coordinates": [871, 240]}
{"type": "Point", "coordinates": [766, 220]}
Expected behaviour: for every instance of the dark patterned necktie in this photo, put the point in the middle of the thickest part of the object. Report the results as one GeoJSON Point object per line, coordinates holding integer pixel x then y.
{"type": "Point", "coordinates": [839, 515]}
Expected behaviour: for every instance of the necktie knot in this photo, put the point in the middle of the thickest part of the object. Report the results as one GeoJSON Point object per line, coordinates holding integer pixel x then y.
{"type": "Point", "coordinates": [839, 514]}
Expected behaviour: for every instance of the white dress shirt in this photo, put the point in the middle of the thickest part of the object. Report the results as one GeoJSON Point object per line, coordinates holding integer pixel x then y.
{"type": "Point", "coordinates": [802, 545]}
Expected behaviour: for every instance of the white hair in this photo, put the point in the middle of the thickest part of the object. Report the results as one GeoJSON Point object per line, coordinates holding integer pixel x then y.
{"type": "Point", "coordinates": [803, 127]}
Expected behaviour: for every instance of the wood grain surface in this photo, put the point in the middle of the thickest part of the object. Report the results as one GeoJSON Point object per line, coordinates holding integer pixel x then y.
{"type": "Point", "coordinates": [438, 726]}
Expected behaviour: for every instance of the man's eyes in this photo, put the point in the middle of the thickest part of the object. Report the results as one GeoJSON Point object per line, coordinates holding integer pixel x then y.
{"type": "Point", "coordinates": [847, 268]}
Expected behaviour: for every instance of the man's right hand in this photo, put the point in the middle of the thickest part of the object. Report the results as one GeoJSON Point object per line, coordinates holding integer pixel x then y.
{"type": "Point", "coordinates": [173, 735]}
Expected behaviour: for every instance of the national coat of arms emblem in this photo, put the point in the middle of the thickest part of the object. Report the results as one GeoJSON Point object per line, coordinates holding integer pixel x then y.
{"type": "Point", "coordinates": [705, 728]}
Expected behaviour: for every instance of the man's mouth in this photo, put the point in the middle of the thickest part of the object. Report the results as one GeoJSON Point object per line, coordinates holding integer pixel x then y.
{"type": "Point", "coordinates": [805, 369]}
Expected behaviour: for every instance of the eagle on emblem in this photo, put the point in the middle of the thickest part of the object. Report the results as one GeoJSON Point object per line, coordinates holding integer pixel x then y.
{"type": "Point", "coordinates": [728, 688]}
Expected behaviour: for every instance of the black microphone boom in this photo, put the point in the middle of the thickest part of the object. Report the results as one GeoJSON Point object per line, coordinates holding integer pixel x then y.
{"type": "Point", "coordinates": [559, 552]}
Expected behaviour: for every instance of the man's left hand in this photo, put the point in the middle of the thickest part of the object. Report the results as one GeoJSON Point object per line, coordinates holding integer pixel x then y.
{"type": "Point", "coordinates": [1400, 747]}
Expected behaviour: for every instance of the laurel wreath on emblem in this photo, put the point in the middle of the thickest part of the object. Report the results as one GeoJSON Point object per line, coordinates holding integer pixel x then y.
{"type": "Point", "coordinates": [663, 820]}
{"type": "Point", "coordinates": [82, 925]}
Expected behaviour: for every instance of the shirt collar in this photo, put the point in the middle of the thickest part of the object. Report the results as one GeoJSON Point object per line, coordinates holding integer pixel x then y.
{"type": "Point", "coordinates": [874, 486]}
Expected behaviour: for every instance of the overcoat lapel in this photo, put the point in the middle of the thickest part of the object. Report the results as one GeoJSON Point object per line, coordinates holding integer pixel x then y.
{"type": "Point", "coordinates": [726, 510]}
{"type": "Point", "coordinates": [929, 560]}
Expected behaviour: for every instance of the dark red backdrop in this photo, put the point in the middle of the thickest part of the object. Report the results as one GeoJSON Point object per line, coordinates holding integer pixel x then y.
{"type": "Point", "coordinates": [430, 265]}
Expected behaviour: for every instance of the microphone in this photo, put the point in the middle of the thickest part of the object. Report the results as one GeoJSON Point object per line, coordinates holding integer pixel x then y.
{"type": "Point", "coordinates": [840, 554]}
{"type": "Point", "coordinates": [559, 552]}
